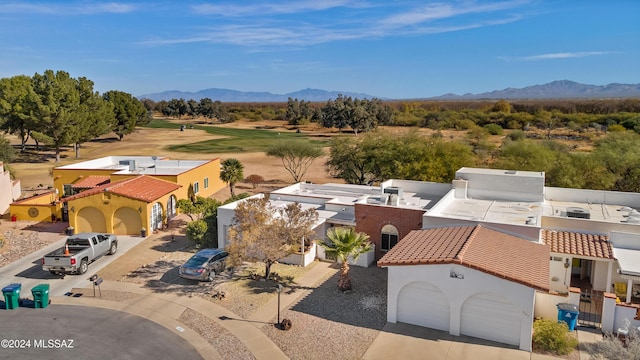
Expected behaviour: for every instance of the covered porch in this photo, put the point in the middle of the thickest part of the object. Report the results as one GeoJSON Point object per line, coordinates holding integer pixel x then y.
{"type": "Point", "coordinates": [626, 281]}
{"type": "Point", "coordinates": [579, 260]}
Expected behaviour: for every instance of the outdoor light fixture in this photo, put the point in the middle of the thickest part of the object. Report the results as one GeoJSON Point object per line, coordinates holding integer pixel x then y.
{"type": "Point", "coordinates": [279, 290]}
{"type": "Point", "coordinates": [73, 209]}
{"type": "Point", "coordinates": [566, 263]}
{"type": "Point", "coordinates": [140, 209]}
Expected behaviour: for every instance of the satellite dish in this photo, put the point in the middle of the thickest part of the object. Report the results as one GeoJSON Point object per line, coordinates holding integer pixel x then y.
{"type": "Point", "coordinates": [154, 158]}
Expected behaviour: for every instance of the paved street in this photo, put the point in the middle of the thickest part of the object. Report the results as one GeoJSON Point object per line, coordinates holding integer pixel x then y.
{"type": "Point", "coordinates": [28, 270]}
{"type": "Point", "coordinates": [64, 332]}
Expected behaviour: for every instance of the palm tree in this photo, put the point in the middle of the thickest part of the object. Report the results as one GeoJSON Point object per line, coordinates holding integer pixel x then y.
{"type": "Point", "coordinates": [345, 243]}
{"type": "Point", "coordinates": [231, 173]}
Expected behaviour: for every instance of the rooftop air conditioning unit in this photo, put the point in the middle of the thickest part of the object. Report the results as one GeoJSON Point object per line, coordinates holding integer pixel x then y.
{"type": "Point", "coordinates": [130, 163]}
{"type": "Point", "coordinates": [578, 212]}
{"type": "Point", "coordinates": [394, 190]}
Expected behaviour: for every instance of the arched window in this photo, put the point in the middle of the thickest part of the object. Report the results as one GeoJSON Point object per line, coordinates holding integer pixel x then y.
{"type": "Point", "coordinates": [171, 207]}
{"type": "Point", "coordinates": [389, 237]}
{"type": "Point", "coordinates": [156, 216]}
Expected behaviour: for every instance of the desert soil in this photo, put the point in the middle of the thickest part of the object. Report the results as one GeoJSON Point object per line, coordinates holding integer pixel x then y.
{"type": "Point", "coordinates": [33, 168]}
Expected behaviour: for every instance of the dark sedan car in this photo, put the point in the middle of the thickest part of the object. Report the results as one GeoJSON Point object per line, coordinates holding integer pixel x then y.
{"type": "Point", "coordinates": [204, 265]}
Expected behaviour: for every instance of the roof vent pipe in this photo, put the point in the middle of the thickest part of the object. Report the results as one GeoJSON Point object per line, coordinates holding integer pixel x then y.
{"type": "Point", "coordinates": [460, 188]}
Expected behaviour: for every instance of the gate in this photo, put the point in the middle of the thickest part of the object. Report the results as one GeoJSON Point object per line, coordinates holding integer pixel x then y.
{"type": "Point", "coordinates": [590, 308]}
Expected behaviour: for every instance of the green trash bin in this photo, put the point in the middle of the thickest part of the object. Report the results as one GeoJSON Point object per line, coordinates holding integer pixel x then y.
{"type": "Point", "coordinates": [40, 296]}
{"type": "Point", "coordinates": [11, 294]}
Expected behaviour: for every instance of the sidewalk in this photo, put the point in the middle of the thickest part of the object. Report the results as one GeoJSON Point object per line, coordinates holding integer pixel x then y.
{"type": "Point", "coordinates": [165, 309]}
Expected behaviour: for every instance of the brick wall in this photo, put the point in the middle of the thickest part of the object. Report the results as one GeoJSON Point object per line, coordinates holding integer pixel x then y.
{"type": "Point", "coordinates": [370, 219]}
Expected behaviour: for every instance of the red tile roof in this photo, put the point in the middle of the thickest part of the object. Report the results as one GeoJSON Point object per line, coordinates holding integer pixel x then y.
{"type": "Point", "coordinates": [574, 243]}
{"type": "Point", "coordinates": [144, 188]}
{"type": "Point", "coordinates": [492, 252]}
{"type": "Point", "coordinates": [90, 182]}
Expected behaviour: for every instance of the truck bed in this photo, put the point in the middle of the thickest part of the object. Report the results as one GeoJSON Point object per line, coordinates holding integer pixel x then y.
{"type": "Point", "coordinates": [60, 252]}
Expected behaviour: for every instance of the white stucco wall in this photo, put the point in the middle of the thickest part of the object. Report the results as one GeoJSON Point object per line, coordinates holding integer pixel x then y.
{"type": "Point", "coordinates": [546, 304]}
{"type": "Point", "coordinates": [9, 190]}
{"type": "Point", "coordinates": [457, 291]}
{"type": "Point", "coordinates": [600, 273]}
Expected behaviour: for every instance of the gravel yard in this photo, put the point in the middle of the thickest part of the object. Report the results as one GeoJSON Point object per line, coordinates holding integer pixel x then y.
{"type": "Point", "coordinates": [18, 239]}
{"type": "Point", "coordinates": [327, 323]}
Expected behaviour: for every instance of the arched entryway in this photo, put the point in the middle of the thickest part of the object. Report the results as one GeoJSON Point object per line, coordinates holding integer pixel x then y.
{"type": "Point", "coordinates": [90, 219]}
{"type": "Point", "coordinates": [126, 221]}
{"type": "Point", "coordinates": [492, 317]}
{"type": "Point", "coordinates": [422, 303]}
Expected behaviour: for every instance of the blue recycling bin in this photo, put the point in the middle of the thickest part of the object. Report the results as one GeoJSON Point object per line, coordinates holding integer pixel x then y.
{"type": "Point", "coordinates": [11, 294]}
{"type": "Point", "coordinates": [569, 314]}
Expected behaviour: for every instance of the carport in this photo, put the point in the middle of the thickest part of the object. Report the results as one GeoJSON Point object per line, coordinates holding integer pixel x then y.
{"type": "Point", "coordinates": [467, 280]}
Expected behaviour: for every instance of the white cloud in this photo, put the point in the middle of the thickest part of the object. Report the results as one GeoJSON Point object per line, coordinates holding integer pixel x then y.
{"type": "Point", "coordinates": [67, 9]}
{"type": "Point", "coordinates": [553, 56]}
{"type": "Point", "coordinates": [348, 24]}
{"type": "Point", "coordinates": [272, 8]}
{"type": "Point", "coordinates": [438, 11]}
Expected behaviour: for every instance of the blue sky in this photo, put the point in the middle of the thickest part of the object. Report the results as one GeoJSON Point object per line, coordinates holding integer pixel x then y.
{"type": "Point", "coordinates": [390, 49]}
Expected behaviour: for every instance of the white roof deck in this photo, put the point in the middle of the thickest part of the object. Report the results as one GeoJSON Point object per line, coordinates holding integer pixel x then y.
{"type": "Point", "coordinates": [139, 165]}
{"type": "Point", "coordinates": [348, 194]}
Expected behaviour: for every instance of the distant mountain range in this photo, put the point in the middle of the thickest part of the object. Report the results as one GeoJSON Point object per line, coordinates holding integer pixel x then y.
{"type": "Point", "coordinates": [562, 89]}
{"type": "Point", "coordinates": [226, 95]}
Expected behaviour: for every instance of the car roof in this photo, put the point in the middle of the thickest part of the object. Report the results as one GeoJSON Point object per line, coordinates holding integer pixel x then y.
{"type": "Point", "coordinates": [209, 252]}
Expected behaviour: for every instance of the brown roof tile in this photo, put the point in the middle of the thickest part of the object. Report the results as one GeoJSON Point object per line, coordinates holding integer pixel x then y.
{"type": "Point", "coordinates": [144, 188]}
{"type": "Point", "coordinates": [90, 182]}
{"type": "Point", "coordinates": [505, 256]}
{"type": "Point", "coordinates": [574, 243]}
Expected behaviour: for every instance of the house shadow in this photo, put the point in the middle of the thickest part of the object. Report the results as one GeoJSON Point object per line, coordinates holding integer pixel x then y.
{"type": "Point", "coordinates": [364, 306]}
{"type": "Point", "coordinates": [48, 227]}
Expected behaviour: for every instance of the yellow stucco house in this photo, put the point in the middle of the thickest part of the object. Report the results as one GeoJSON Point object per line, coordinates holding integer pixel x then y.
{"type": "Point", "coordinates": [124, 194]}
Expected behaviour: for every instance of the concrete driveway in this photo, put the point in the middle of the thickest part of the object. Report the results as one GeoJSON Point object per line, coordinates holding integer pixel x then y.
{"type": "Point", "coordinates": [28, 270]}
{"type": "Point", "coordinates": [68, 332]}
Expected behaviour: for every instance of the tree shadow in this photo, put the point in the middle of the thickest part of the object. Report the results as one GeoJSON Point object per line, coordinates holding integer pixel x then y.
{"type": "Point", "coordinates": [105, 140]}
{"type": "Point", "coordinates": [171, 242]}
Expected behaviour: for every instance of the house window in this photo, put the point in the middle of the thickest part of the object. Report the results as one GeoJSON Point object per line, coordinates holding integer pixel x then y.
{"type": "Point", "coordinates": [389, 237]}
{"type": "Point", "coordinates": [196, 187]}
{"type": "Point", "coordinates": [67, 190]}
{"type": "Point", "coordinates": [206, 183]}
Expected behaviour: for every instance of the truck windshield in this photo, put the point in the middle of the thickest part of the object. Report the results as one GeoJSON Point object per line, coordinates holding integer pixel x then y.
{"type": "Point", "coordinates": [77, 242]}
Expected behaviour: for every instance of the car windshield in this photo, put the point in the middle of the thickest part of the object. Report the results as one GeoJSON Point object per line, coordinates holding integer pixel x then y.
{"type": "Point", "coordinates": [196, 261]}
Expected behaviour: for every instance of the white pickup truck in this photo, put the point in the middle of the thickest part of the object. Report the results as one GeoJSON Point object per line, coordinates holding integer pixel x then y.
{"type": "Point", "coordinates": [78, 252]}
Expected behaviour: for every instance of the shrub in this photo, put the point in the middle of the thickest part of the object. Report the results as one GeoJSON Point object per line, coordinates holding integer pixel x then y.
{"type": "Point", "coordinates": [516, 135]}
{"type": "Point", "coordinates": [616, 128]}
{"type": "Point", "coordinates": [494, 129]}
{"type": "Point", "coordinates": [612, 348]}
{"type": "Point", "coordinates": [254, 180]}
{"type": "Point", "coordinates": [196, 231]}
{"type": "Point", "coordinates": [553, 336]}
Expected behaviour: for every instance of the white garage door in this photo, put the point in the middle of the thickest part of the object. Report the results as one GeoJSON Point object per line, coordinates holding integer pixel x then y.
{"type": "Point", "coordinates": [490, 317]}
{"type": "Point", "coordinates": [423, 304]}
